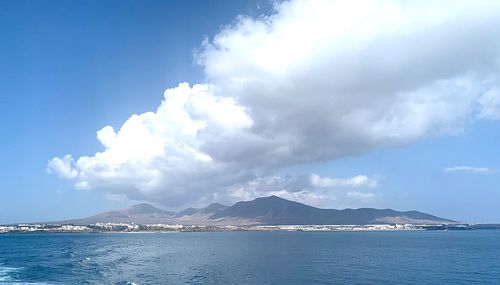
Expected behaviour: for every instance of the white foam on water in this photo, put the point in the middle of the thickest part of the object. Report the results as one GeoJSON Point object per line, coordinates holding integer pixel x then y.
{"type": "Point", "coordinates": [5, 273]}
{"type": "Point", "coordinates": [23, 283]}
{"type": "Point", "coordinates": [6, 277]}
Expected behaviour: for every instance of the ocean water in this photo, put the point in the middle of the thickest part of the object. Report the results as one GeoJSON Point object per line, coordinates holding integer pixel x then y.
{"type": "Point", "coordinates": [413, 257]}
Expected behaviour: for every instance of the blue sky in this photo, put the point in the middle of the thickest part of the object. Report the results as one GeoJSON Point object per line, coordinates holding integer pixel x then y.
{"type": "Point", "coordinates": [68, 69]}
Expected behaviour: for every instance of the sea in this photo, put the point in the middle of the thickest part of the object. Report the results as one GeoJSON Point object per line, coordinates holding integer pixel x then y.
{"type": "Point", "coordinates": [390, 257]}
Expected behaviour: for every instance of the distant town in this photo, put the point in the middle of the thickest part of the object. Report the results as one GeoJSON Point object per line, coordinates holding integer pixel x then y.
{"type": "Point", "coordinates": [125, 228]}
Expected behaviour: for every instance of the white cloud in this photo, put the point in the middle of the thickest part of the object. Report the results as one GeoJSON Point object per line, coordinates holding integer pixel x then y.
{"type": "Point", "coordinates": [157, 155]}
{"type": "Point", "coordinates": [314, 81]}
{"type": "Point", "coordinates": [62, 167]}
{"type": "Point", "coordinates": [490, 105]}
{"type": "Point", "coordinates": [356, 181]}
{"type": "Point", "coordinates": [326, 79]}
{"type": "Point", "coordinates": [468, 169]}
{"type": "Point", "coordinates": [360, 195]}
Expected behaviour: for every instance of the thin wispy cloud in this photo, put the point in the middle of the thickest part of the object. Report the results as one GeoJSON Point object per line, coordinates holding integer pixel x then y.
{"type": "Point", "coordinates": [356, 181]}
{"type": "Point", "coordinates": [313, 82]}
{"type": "Point", "coordinates": [468, 169]}
{"type": "Point", "coordinates": [361, 195]}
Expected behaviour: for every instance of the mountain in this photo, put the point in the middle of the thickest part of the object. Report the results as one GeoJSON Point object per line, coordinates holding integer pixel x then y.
{"type": "Point", "coordinates": [138, 214]}
{"type": "Point", "coordinates": [278, 211]}
{"type": "Point", "coordinates": [262, 211]}
{"type": "Point", "coordinates": [209, 210]}
{"type": "Point", "coordinates": [205, 216]}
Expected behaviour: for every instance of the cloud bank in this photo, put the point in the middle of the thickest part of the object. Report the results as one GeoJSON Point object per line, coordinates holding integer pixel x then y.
{"type": "Point", "coordinates": [314, 81]}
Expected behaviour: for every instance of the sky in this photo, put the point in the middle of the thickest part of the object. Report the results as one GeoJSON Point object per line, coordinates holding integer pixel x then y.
{"type": "Point", "coordinates": [337, 104]}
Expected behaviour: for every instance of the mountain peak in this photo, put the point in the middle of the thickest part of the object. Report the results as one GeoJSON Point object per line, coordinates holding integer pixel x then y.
{"type": "Point", "coordinates": [215, 206]}
{"type": "Point", "coordinates": [270, 198]}
{"type": "Point", "coordinates": [208, 210]}
{"type": "Point", "coordinates": [142, 205]}
{"type": "Point", "coordinates": [144, 208]}
{"type": "Point", "coordinates": [276, 201]}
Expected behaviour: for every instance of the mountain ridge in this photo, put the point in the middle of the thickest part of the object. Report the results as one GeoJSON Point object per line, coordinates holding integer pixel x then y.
{"type": "Point", "coordinates": [270, 210]}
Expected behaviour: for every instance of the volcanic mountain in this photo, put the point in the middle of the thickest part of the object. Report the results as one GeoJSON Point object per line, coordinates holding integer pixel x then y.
{"type": "Point", "coordinates": [262, 211]}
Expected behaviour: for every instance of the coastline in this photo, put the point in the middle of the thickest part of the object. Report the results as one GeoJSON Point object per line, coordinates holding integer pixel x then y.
{"type": "Point", "coordinates": [104, 228]}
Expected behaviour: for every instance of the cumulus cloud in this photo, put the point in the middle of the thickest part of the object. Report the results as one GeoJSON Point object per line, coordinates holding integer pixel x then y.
{"type": "Point", "coordinates": [325, 79]}
{"type": "Point", "coordinates": [468, 169]}
{"type": "Point", "coordinates": [64, 167]}
{"type": "Point", "coordinates": [157, 155]}
{"type": "Point", "coordinates": [314, 81]}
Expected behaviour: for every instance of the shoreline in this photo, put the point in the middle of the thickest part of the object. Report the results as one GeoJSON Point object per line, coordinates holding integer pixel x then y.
{"type": "Point", "coordinates": [105, 228]}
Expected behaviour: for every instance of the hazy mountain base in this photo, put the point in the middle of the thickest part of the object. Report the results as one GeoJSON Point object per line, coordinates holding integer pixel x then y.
{"type": "Point", "coordinates": [261, 211]}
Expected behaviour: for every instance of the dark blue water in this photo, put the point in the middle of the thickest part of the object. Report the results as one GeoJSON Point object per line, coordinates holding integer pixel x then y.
{"type": "Point", "coordinates": [418, 257]}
